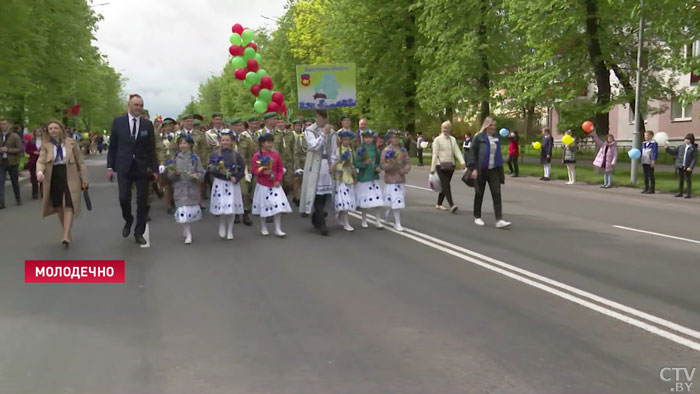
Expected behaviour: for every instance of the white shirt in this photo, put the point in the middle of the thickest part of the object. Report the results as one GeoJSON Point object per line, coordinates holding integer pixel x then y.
{"type": "Point", "coordinates": [38, 143]}
{"type": "Point", "coordinates": [492, 152]}
{"type": "Point", "coordinates": [55, 153]}
{"type": "Point", "coordinates": [685, 155]}
{"type": "Point", "coordinates": [4, 137]}
{"type": "Point", "coordinates": [187, 132]}
{"type": "Point", "coordinates": [134, 133]}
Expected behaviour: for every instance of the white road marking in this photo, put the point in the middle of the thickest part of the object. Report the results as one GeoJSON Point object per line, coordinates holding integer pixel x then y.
{"type": "Point", "coordinates": [495, 265]}
{"type": "Point", "coordinates": [657, 234]}
{"type": "Point", "coordinates": [420, 188]}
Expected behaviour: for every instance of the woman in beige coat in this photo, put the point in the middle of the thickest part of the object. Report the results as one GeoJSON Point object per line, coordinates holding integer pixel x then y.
{"type": "Point", "coordinates": [62, 171]}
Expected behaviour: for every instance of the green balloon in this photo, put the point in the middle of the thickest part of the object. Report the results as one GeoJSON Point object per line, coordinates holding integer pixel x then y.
{"type": "Point", "coordinates": [258, 58]}
{"type": "Point", "coordinates": [236, 39]}
{"type": "Point", "coordinates": [247, 84]}
{"type": "Point", "coordinates": [249, 53]}
{"type": "Point", "coordinates": [252, 78]}
{"type": "Point", "coordinates": [86, 135]}
{"type": "Point", "coordinates": [260, 106]}
{"type": "Point", "coordinates": [238, 62]}
{"type": "Point", "coordinates": [248, 36]}
{"type": "Point", "coordinates": [265, 95]}
{"type": "Point", "coordinates": [261, 73]}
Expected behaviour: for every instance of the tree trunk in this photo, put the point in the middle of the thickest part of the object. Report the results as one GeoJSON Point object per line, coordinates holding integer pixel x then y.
{"type": "Point", "coordinates": [529, 119]}
{"type": "Point", "coordinates": [484, 80]}
{"type": "Point", "coordinates": [410, 88]}
{"type": "Point", "coordinates": [602, 74]}
{"type": "Point", "coordinates": [629, 93]}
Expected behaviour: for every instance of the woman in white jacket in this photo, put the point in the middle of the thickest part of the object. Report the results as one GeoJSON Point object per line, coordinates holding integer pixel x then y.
{"type": "Point", "coordinates": [445, 154]}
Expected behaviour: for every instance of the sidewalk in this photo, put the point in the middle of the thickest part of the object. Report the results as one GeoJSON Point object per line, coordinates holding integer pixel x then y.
{"type": "Point", "coordinates": [589, 163]}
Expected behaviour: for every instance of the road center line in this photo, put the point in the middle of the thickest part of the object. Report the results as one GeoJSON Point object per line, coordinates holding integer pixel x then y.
{"type": "Point", "coordinates": [420, 188]}
{"type": "Point", "coordinates": [463, 254]}
{"type": "Point", "coordinates": [657, 234]}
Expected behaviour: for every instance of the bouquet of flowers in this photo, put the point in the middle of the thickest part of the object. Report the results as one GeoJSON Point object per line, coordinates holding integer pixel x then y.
{"type": "Point", "coordinates": [170, 166]}
{"type": "Point", "coordinates": [390, 155]}
{"type": "Point", "coordinates": [363, 153]}
{"type": "Point", "coordinates": [346, 157]}
{"type": "Point", "coordinates": [265, 164]}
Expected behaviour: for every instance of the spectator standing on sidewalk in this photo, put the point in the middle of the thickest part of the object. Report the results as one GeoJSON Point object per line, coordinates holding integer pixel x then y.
{"type": "Point", "coordinates": [513, 154]}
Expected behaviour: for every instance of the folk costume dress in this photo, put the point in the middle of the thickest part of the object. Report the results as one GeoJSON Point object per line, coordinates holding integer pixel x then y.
{"type": "Point", "coordinates": [226, 196]}
{"type": "Point", "coordinates": [186, 187]}
{"type": "Point", "coordinates": [369, 191]}
{"type": "Point", "coordinates": [346, 177]}
{"type": "Point", "coordinates": [396, 164]}
{"type": "Point", "coordinates": [269, 200]}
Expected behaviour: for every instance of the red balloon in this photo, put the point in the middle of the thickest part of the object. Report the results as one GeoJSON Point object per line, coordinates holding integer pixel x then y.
{"type": "Point", "coordinates": [236, 50]}
{"type": "Point", "coordinates": [253, 65]}
{"type": "Point", "coordinates": [255, 89]}
{"type": "Point", "coordinates": [252, 45]}
{"type": "Point", "coordinates": [240, 74]}
{"type": "Point", "coordinates": [284, 109]}
{"type": "Point", "coordinates": [273, 107]}
{"type": "Point", "coordinates": [587, 126]}
{"type": "Point", "coordinates": [237, 28]}
{"type": "Point", "coordinates": [266, 82]}
{"type": "Point", "coordinates": [278, 98]}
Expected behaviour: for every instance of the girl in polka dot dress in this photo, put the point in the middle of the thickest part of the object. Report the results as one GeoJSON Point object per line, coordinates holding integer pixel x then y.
{"type": "Point", "coordinates": [269, 199]}
{"type": "Point", "coordinates": [369, 191]}
{"type": "Point", "coordinates": [345, 176]}
{"type": "Point", "coordinates": [227, 168]}
{"type": "Point", "coordinates": [396, 164]}
{"type": "Point", "coordinates": [186, 173]}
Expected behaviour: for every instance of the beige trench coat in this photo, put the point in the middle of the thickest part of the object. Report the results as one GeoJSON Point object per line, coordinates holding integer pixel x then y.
{"type": "Point", "coordinates": [76, 174]}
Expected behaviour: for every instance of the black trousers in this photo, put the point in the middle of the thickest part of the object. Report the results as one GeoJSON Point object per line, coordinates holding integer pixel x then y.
{"type": "Point", "coordinates": [445, 179]}
{"type": "Point", "coordinates": [14, 178]}
{"type": "Point", "coordinates": [493, 178]}
{"type": "Point", "coordinates": [649, 178]}
{"type": "Point", "coordinates": [684, 175]}
{"type": "Point", "coordinates": [318, 218]}
{"type": "Point", "coordinates": [513, 165]}
{"type": "Point", "coordinates": [142, 183]}
{"type": "Point", "coordinates": [420, 157]}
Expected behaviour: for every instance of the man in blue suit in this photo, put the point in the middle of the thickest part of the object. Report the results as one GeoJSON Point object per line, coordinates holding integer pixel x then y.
{"type": "Point", "coordinates": [132, 156]}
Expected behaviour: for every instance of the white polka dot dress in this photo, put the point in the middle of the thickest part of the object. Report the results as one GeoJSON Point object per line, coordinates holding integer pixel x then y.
{"type": "Point", "coordinates": [345, 198]}
{"type": "Point", "coordinates": [188, 214]}
{"type": "Point", "coordinates": [395, 196]}
{"type": "Point", "coordinates": [269, 201]}
{"type": "Point", "coordinates": [226, 198]}
{"type": "Point", "coordinates": [369, 195]}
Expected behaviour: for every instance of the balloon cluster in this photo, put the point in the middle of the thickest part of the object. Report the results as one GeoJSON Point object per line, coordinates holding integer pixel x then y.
{"type": "Point", "coordinates": [246, 60]}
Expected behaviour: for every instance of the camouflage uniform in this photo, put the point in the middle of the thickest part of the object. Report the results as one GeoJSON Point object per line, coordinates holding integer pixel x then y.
{"type": "Point", "coordinates": [285, 145]}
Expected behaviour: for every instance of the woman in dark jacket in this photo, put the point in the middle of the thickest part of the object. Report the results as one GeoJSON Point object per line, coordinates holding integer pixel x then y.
{"type": "Point", "coordinates": [487, 167]}
{"type": "Point", "coordinates": [33, 149]}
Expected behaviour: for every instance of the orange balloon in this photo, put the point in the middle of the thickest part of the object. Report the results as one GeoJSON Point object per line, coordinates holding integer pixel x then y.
{"type": "Point", "coordinates": [587, 126]}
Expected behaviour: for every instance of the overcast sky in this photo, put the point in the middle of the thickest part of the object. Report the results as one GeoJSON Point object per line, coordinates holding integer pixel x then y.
{"type": "Point", "coordinates": [166, 48]}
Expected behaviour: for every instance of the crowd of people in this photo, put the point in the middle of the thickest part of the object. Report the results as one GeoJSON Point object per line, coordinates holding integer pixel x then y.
{"type": "Point", "coordinates": [265, 166]}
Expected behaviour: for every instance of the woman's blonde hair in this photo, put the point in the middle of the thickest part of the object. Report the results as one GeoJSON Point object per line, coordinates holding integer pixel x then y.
{"type": "Point", "coordinates": [487, 122]}
{"type": "Point", "coordinates": [446, 123]}
{"type": "Point", "coordinates": [46, 136]}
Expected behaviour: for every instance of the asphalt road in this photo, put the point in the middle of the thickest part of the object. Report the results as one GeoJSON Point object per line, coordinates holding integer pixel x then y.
{"type": "Point", "coordinates": [446, 307]}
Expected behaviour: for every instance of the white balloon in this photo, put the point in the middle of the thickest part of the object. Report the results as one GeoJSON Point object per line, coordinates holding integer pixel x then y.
{"type": "Point", "coordinates": [661, 138]}
{"type": "Point", "coordinates": [424, 144]}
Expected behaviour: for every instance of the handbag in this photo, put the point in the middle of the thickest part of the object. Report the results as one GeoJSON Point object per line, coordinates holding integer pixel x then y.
{"type": "Point", "coordinates": [467, 177]}
{"type": "Point", "coordinates": [449, 166]}
{"type": "Point", "coordinates": [434, 183]}
{"type": "Point", "coordinates": [88, 202]}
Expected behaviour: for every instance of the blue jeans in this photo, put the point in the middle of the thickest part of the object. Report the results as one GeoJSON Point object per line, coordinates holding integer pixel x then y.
{"type": "Point", "coordinates": [607, 178]}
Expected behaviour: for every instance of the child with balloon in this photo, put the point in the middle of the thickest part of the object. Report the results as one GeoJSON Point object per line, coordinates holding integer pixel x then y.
{"type": "Point", "coordinates": [568, 156]}
{"type": "Point", "coordinates": [606, 159]}
{"type": "Point", "coordinates": [650, 152]}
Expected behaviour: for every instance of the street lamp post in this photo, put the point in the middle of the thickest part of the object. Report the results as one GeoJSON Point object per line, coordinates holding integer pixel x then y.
{"type": "Point", "coordinates": [636, 137]}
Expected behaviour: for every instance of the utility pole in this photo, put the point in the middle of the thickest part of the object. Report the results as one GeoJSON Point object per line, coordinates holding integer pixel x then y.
{"type": "Point", "coordinates": [636, 137]}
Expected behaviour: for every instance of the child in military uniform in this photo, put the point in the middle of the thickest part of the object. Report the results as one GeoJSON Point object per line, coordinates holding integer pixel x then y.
{"type": "Point", "coordinates": [285, 145]}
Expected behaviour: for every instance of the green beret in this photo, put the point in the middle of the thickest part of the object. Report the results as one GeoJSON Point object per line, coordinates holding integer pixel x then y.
{"type": "Point", "coordinates": [145, 112]}
{"type": "Point", "coordinates": [253, 119]}
{"type": "Point", "coordinates": [215, 115]}
{"type": "Point", "coordinates": [188, 116]}
{"type": "Point", "coordinates": [344, 116]}
{"type": "Point", "coordinates": [296, 121]}
{"type": "Point", "coordinates": [269, 115]}
{"type": "Point", "coordinates": [197, 122]}
{"type": "Point", "coordinates": [234, 120]}
{"type": "Point", "coordinates": [198, 117]}
{"type": "Point", "coordinates": [168, 121]}
{"type": "Point", "coordinates": [310, 119]}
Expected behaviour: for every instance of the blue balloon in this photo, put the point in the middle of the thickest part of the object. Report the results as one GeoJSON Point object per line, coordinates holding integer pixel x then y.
{"type": "Point", "coordinates": [634, 154]}
{"type": "Point", "coordinates": [504, 132]}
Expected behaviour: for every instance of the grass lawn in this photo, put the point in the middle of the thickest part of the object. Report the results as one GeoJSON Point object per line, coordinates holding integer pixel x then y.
{"type": "Point", "coordinates": [665, 181]}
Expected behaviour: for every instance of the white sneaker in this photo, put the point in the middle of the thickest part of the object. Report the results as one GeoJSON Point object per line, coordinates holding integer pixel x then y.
{"type": "Point", "coordinates": [264, 231]}
{"type": "Point", "coordinates": [398, 227]}
{"type": "Point", "coordinates": [479, 222]}
{"type": "Point", "coordinates": [502, 224]}
{"type": "Point", "coordinates": [364, 225]}
{"type": "Point", "coordinates": [280, 233]}
{"type": "Point", "coordinates": [188, 239]}
{"type": "Point", "coordinates": [379, 224]}
{"type": "Point", "coordinates": [222, 231]}
{"type": "Point", "coordinates": [348, 228]}
{"type": "Point", "coordinates": [440, 208]}
{"type": "Point", "coordinates": [229, 236]}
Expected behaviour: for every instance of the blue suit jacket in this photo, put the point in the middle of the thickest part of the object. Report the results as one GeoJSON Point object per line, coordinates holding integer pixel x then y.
{"type": "Point", "coordinates": [124, 151]}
